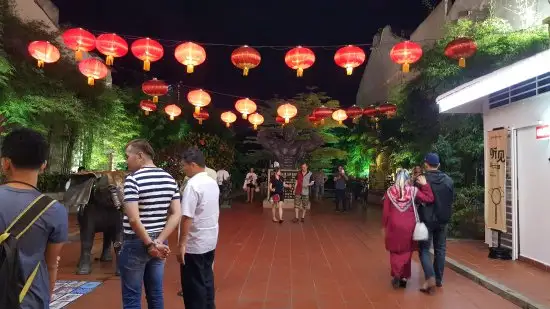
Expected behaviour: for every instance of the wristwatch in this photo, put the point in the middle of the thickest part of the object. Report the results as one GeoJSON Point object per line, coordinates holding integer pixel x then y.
{"type": "Point", "coordinates": [148, 246]}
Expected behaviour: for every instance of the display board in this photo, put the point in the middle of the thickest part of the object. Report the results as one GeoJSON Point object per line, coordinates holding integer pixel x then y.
{"type": "Point", "coordinates": [495, 189]}
{"type": "Point", "coordinates": [67, 291]}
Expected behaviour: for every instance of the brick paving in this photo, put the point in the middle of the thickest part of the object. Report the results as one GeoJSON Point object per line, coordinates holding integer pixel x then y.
{"type": "Point", "coordinates": [330, 261]}
{"type": "Point", "coordinates": [522, 277]}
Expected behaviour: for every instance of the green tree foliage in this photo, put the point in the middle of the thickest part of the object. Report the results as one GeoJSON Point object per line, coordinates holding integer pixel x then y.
{"type": "Point", "coordinates": [217, 151]}
{"type": "Point", "coordinates": [458, 138]}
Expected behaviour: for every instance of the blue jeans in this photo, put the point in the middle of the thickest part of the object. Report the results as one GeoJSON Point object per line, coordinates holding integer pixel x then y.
{"type": "Point", "coordinates": [438, 236]}
{"type": "Point", "coordinates": [138, 268]}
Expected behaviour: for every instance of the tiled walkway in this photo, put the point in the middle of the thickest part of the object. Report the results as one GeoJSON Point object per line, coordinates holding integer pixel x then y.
{"type": "Point", "coordinates": [330, 261]}
{"type": "Point", "coordinates": [526, 279]}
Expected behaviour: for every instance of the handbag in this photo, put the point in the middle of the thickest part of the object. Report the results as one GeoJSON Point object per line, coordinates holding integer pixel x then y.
{"type": "Point", "coordinates": [420, 230]}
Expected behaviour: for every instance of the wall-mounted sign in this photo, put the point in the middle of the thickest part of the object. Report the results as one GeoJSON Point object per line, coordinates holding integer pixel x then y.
{"type": "Point", "coordinates": [495, 182]}
{"type": "Point", "coordinates": [543, 132]}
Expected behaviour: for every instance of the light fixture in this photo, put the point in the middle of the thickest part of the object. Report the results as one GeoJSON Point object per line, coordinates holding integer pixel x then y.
{"type": "Point", "coordinates": [495, 81]}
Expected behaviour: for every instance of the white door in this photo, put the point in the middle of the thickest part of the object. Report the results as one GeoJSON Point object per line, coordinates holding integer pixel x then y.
{"type": "Point", "coordinates": [533, 179]}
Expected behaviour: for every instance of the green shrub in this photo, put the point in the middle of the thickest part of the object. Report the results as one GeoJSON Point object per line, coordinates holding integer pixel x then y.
{"type": "Point", "coordinates": [54, 182]}
{"type": "Point", "coordinates": [468, 213]}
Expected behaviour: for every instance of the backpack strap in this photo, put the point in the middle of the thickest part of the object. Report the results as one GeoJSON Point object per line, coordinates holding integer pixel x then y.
{"type": "Point", "coordinates": [29, 215]}
{"type": "Point", "coordinates": [21, 224]}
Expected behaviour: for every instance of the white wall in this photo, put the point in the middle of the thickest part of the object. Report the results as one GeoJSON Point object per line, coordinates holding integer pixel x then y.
{"type": "Point", "coordinates": [30, 10]}
{"type": "Point", "coordinates": [532, 203]}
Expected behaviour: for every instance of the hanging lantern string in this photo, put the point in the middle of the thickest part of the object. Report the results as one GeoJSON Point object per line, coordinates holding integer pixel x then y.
{"type": "Point", "coordinates": [173, 43]}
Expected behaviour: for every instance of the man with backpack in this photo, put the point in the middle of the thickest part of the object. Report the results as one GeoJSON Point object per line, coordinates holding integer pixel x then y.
{"type": "Point", "coordinates": [33, 226]}
{"type": "Point", "coordinates": [436, 216]}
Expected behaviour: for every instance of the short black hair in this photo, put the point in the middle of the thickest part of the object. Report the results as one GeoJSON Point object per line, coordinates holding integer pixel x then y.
{"type": "Point", "coordinates": [142, 145]}
{"type": "Point", "coordinates": [80, 169]}
{"type": "Point", "coordinates": [194, 155]}
{"type": "Point", "coordinates": [26, 148]}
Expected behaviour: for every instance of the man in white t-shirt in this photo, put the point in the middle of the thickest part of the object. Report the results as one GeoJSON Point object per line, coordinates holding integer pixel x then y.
{"type": "Point", "coordinates": [221, 176]}
{"type": "Point", "coordinates": [198, 232]}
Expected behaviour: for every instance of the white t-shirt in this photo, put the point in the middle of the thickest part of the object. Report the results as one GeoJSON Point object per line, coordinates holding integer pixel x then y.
{"type": "Point", "coordinates": [251, 178]}
{"type": "Point", "coordinates": [200, 201]}
{"type": "Point", "coordinates": [221, 176]}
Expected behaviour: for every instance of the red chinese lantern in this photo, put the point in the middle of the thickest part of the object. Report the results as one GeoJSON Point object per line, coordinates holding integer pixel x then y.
{"type": "Point", "coordinates": [198, 98]}
{"type": "Point", "coordinates": [461, 49]}
{"type": "Point", "coordinates": [312, 118]}
{"type": "Point", "coordinates": [349, 57]}
{"type": "Point", "coordinates": [388, 109]}
{"type": "Point", "coordinates": [201, 116]}
{"type": "Point", "coordinates": [245, 58]}
{"type": "Point", "coordinates": [79, 40]}
{"type": "Point", "coordinates": [256, 120]}
{"type": "Point", "coordinates": [299, 59]}
{"type": "Point", "coordinates": [339, 115]}
{"type": "Point", "coordinates": [228, 118]}
{"type": "Point", "coordinates": [173, 111]}
{"type": "Point", "coordinates": [43, 52]}
{"type": "Point", "coordinates": [405, 53]}
{"type": "Point", "coordinates": [370, 111]}
{"type": "Point", "coordinates": [245, 107]}
{"type": "Point", "coordinates": [155, 88]}
{"type": "Point", "coordinates": [148, 51]}
{"type": "Point", "coordinates": [354, 112]}
{"type": "Point", "coordinates": [93, 69]}
{"type": "Point", "coordinates": [287, 111]}
{"type": "Point", "coordinates": [111, 45]}
{"type": "Point", "coordinates": [321, 113]}
{"type": "Point", "coordinates": [190, 55]}
{"type": "Point", "coordinates": [147, 106]}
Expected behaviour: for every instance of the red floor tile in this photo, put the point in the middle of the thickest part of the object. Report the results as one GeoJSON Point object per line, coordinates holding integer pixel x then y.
{"type": "Point", "coordinates": [331, 261]}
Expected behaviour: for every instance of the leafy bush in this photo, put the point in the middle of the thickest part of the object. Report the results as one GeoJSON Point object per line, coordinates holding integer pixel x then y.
{"type": "Point", "coordinates": [51, 182]}
{"type": "Point", "coordinates": [468, 213]}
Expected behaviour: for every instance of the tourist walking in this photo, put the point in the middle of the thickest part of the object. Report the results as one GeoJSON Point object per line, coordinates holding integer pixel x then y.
{"type": "Point", "coordinates": [301, 193]}
{"type": "Point", "coordinates": [250, 185]}
{"type": "Point", "coordinates": [24, 155]}
{"type": "Point", "coordinates": [399, 221]}
{"type": "Point", "coordinates": [277, 187]}
{"type": "Point", "coordinates": [436, 215]}
{"type": "Point", "coordinates": [319, 179]}
{"type": "Point", "coordinates": [340, 181]}
{"type": "Point", "coordinates": [152, 212]}
{"type": "Point", "coordinates": [198, 233]}
{"type": "Point", "coordinates": [221, 176]}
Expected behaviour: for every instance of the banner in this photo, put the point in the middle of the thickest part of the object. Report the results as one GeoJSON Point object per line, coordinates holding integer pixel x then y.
{"type": "Point", "coordinates": [495, 184]}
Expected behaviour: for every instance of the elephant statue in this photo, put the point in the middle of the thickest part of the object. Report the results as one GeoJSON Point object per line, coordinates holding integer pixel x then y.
{"type": "Point", "coordinates": [98, 197]}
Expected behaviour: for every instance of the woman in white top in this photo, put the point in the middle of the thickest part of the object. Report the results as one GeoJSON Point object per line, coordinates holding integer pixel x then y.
{"type": "Point", "coordinates": [250, 184]}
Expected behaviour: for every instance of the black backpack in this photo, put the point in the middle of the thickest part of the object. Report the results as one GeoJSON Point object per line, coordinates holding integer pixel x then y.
{"type": "Point", "coordinates": [13, 284]}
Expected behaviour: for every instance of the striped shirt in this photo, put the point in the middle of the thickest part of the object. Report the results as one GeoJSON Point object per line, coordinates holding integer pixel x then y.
{"type": "Point", "coordinates": [153, 189]}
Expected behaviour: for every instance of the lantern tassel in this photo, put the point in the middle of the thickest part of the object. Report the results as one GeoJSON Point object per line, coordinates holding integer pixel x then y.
{"type": "Point", "coordinates": [245, 71]}
{"type": "Point", "coordinates": [91, 81]}
{"type": "Point", "coordinates": [78, 55]}
{"type": "Point", "coordinates": [406, 68]}
{"type": "Point", "coordinates": [255, 127]}
{"type": "Point", "coordinates": [227, 124]}
{"type": "Point", "coordinates": [40, 64]}
{"type": "Point", "coordinates": [172, 117]}
{"type": "Point", "coordinates": [355, 120]}
{"type": "Point", "coordinates": [190, 68]}
{"type": "Point", "coordinates": [462, 62]}
{"type": "Point", "coordinates": [146, 113]}
{"type": "Point", "coordinates": [349, 70]}
{"type": "Point", "coordinates": [323, 121]}
{"type": "Point", "coordinates": [197, 109]}
{"type": "Point", "coordinates": [146, 65]}
{"type": "Point", "coordinates": [287, 120]}
{"type": "Point", "coordinates": [110, 60]}
{"type": "Point", "coordinates": [245, 116]}
{"type": "Point", "coordinates": [200, 121]}
{"type": "Point", "coordinates": [155, 99]}
{"type": "Point", "coordinates": [300, 72]}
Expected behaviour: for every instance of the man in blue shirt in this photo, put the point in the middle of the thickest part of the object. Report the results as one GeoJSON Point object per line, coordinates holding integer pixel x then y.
{"type": "Point", "coordinates": [24, 154]}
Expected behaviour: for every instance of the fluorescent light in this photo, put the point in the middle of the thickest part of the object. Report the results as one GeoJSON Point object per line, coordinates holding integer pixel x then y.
{"type": "Point", "coordinates": [495, 81]}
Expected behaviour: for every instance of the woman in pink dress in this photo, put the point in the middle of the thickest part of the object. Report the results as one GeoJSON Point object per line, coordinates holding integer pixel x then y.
{"type": "Point", "coordinates": [399, 222]}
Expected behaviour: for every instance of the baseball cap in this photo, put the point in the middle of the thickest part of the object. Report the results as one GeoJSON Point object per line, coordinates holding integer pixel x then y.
{"type": "Point", "coordinates": [432, 158]}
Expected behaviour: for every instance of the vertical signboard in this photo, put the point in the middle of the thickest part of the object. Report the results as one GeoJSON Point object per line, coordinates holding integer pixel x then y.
{"type": "Point", "coordinates": [495, 188]}
{"type": "Point", "coordinates": [289, 177]}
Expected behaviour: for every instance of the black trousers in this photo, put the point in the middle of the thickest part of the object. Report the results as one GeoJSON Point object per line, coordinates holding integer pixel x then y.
{"type": "Point", "coordinates": [340, 198]}
{"type": "Point", "coordinates": [197, 281]}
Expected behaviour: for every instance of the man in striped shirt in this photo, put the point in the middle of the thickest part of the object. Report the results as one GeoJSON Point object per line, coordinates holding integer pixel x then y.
{"type": "Point", "coordinates": [152, 207]}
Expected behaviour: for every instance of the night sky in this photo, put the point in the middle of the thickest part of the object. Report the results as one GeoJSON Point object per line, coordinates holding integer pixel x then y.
{"type": "Point", "coordinates": [239, 22]}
